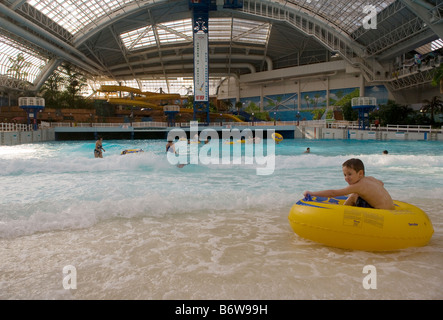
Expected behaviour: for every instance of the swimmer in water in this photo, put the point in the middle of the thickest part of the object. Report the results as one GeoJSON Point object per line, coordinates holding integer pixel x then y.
{"type": "Point", "coordinates": [98, 151]}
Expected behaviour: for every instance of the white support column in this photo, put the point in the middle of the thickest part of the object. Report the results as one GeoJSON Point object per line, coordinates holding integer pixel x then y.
{"type": "Point", "coordinates": [362, 85]}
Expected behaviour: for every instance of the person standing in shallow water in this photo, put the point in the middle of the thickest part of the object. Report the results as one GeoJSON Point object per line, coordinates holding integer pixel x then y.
{"type": "Point", "coordinates": [98, 151]}
{"type": "Point", "coordinates": [170, 147]}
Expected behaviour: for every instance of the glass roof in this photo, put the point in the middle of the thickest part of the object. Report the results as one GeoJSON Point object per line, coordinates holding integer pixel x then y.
{"type": "Point", "coordinates": [18, 62]}
{"type": "Point", "coordinates": [431, 46]}
{"type": "Point", "coordinates": [346, 14]}
{"type": "Point", "coordinates": [73, 15]}
{"type": "Point", "coordinates": [180, 31]}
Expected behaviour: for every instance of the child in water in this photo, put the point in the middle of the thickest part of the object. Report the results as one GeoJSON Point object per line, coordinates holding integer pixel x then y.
{"type": "Point", "coordinates": [363, 191]}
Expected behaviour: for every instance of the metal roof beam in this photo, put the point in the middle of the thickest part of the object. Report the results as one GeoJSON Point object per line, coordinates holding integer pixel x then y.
{"type": "Point", "coordinates": [408, 45]}
{"type": "Point", "coordinates": [428, 13]}
{"type": "Point", "coordinates": [46, 73]}
{"type": "Point", "coordinates": [327, 35]}
{"type": "Point", "coordinates": [408, 30]}
{"type": "Point", "coordinates": [46, 45]}
{"type": "Point", "coordinates": [43, 33]}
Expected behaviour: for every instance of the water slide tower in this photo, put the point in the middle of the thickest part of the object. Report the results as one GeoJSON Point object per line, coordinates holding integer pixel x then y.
{"type": "Point", "coordinates": [32, 106]}
{"type": "Point", "coordinates": [363, 105]}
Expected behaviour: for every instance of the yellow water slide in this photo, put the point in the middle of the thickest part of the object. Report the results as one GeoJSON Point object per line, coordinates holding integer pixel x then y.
{"type": "Point", "coordinates": [107, 88]}
{"type": "Point", "coordinates": [141, 101]}
{"type": "Point", "coordinates": [146, 96]}
{"type": "Point", "coordinates": [138, 103]}
{"type": "Point", "coordinates": [230, 116]}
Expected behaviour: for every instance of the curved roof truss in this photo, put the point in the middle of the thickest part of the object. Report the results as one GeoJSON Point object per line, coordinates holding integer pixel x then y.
{"type": "Point", "coordinates": [124, 39]}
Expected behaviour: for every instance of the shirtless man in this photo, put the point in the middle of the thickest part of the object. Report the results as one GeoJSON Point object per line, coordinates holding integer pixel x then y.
{"type": "Point", "coordinates": [364, 191]}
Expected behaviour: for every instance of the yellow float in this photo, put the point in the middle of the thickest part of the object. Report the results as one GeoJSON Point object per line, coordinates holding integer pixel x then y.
{"type": "Point", "coordinates": [131, 151]}
{"type": "Point", "coordinates": [277, 137]}
{"type": "Point", "coordinates": [328, 221]}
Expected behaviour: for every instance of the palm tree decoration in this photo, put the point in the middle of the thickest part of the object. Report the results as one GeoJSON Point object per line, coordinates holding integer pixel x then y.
{"type": "Point", "coordinates": [18, 65]}
{"type": "Point", "coordinates": [51, 89]}
{"type": "Point", "coordinates": [433, 106]}
{"type": "Point", "coordinates": [438, 78]}
{"type": "Point", "coordinates": [238, 105]}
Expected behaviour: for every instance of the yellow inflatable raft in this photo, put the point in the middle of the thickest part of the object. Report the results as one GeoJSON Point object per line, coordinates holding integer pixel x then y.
{"type": "Point", "coordinates": [131, 151]}
{"type": "Point", "coordinates": [277, 137]}
{"type": "Point", "coordinates": [328, 221]}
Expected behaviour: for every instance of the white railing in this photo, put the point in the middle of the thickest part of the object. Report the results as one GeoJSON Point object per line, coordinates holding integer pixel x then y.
{"type": "Point", "coordinates": [332, 124]}
{"type": "Point", "coordinates": [16, 127]}
{"type": "Point", "coordinates": [405, 128]}
{"type": "Point", "coordinates": [31, 101]}
{"type": "Point", "coordinates": [342, 124]}
{"type": "Point", "coordinates": [148, 124]}
{"type": "Point", "coordinates": [313, 123]}
{"type": "Point", "coordinates": [158, 124]}
{"type": "Point", "coordinates": [390, 127]}
{"type": "Point", "coordinates": [364, 101]}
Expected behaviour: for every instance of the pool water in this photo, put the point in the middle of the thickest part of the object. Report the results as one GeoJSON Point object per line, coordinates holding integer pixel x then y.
{"type": "Point", "coordinates": [137, 227]}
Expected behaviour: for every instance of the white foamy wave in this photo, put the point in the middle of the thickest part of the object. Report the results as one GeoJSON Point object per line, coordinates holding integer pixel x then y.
{"type": "Point", "coordinates": [52, 216]}
{"type": "Point", "coordinates": [316, 161]}
{"type": "Point", "coordinates": [82, 164]}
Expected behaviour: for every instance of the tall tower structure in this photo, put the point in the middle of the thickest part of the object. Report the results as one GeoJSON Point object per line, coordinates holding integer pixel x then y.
{"type": "Point", "coordinates": [200, 24]}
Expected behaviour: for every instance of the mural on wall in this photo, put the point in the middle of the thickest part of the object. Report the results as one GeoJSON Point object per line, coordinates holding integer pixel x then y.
{"type": "Point", "coordinates": [284, 107]}
{"type": "Point", "coordinates": [379, 92]}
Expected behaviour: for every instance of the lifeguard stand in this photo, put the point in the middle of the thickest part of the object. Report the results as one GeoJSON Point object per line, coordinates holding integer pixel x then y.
{"type": "Point", "coordinates": [32, 105]}
{"type": "Point", "coordinates": [171, 111]}
{"type": "Point", "coordinates": [364, 105]}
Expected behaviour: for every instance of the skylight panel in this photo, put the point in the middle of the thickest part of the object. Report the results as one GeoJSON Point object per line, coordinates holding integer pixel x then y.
{"type": "Point", "coordinates": [139, 38]}
{"type": "Point", "coordinates": [18, 62]}
{"type": "Point", "coordinates": [73, 15]}
{"type": "Point", "coordinates": [431, 46]}
{"type": "Point", "coordinates": [175, 31]}
{"type": "Point", "coordinates": [347, 15]}
{"type": "Point", "coordinates": [250, 31]}
{"type": "Point", "coordinates": [180, 31]}
{"type": "Point", "coordinates": [220, 29]}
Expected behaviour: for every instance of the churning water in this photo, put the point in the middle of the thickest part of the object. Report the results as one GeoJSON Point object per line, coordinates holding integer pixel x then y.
{"type": "Point", "coordinates": [137, 227]}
